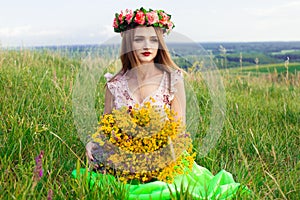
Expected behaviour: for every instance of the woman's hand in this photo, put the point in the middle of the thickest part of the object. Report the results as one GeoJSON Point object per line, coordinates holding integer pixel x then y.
{"type": "Point", "coordinates": [90, 146]}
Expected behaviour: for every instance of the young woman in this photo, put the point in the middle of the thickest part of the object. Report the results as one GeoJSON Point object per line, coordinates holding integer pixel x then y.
{"type": "Point", "coordinates": [147, 71]}
{"type": "Point", "coordinates": [149, 74]}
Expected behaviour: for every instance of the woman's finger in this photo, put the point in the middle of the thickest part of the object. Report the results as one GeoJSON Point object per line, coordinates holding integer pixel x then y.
{"type": "Point", "coordinates": [89, 155]}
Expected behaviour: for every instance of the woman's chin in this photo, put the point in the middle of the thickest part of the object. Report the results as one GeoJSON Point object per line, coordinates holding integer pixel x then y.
{"type": "Point", "coordinates": [146, 61]}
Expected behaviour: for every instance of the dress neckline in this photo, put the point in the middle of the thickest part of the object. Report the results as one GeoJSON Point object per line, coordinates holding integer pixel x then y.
{"type": "Point", "coordinates": [147, 97]}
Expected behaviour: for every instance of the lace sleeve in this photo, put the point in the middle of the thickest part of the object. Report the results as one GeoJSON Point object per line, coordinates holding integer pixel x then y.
{"type": "Point", "coordinates": [111, 85]}
{"type": "Point", "coordinates": [108, 76]}
{"type": "Point", "coordinates": [176, 77]}
{"type": "Point", "coordinates": [110, 92]}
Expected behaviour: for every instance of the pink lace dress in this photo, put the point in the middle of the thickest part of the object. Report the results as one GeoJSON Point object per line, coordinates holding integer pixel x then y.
{"type": "Point", "coordinates": [123, 96]}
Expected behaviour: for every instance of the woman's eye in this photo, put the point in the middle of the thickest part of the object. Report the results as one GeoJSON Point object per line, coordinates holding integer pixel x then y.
{"type": "Point", "coordinates": [138, 40]}
{"type": "Point", "coordinates": [154, 40]}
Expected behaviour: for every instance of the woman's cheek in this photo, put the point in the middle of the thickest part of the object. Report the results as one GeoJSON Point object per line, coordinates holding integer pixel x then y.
{"type": "Point", "coordinates": [137, 46]}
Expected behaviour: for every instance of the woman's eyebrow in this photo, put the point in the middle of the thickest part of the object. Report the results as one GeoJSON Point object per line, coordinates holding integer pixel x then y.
{"type": "Point", "coordinates": [142, 36]}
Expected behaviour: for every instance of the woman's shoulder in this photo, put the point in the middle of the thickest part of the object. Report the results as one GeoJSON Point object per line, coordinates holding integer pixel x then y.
{"type": "Point", "coordinates": [108, 76]}
{"type": "Point", "coordinates": [178, 72]}
{"type": "Point", "coordinates": [176, 80]}
{"type": "Point", "coordinates": [114, 83]}
{"type": "Point", "coordinates": [176, 75]}
{"type": "Point", "coordinates": [113, 77]}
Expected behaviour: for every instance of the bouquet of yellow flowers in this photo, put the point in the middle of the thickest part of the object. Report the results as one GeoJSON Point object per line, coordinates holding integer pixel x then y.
{"type": "Point", "coordinates": [143, 143]}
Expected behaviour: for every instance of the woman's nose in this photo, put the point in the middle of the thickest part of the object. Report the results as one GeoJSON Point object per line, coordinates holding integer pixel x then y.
{"type": "Point", "coordinates": [146, 44]}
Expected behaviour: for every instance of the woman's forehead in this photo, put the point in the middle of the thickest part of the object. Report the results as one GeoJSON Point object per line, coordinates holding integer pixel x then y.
{"type": "Point", "coordinates": [145, 31]}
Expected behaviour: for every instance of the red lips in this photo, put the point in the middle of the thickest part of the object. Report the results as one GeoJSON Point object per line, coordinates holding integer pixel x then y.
{"type": "Point", "coordinates": [146, 53]}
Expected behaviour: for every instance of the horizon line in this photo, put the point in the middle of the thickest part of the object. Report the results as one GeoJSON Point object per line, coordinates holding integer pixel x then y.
{"type": "Point", "coordinates": [170, 42]}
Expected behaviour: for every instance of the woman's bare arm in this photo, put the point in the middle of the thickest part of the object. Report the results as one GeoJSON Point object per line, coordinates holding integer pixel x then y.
{"type": "Point", "coordinates": [178, 104]}
{"type": "Point", "coordinates": [109, 99]}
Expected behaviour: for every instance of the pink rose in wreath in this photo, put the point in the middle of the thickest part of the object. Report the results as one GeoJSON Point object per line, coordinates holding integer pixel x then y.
{"type": "Point", "coordinates": [115, 25]}
{"type": "Point", "coordinates": [140, 17]}
{"type": "Point", "coordinates": [170, 25]}
{"type": "Point", "coordinates": [121, 17]}
{"type": "Point", "coordinates": [152, 17]}
{"type": "Point", "coordinates": [164, 18]}
{"type": "Point", "coordinates": [129, 15]}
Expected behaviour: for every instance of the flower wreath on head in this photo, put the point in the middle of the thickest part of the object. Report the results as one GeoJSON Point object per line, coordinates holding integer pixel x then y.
{"type": "Point", "coordinates": [142, 17]}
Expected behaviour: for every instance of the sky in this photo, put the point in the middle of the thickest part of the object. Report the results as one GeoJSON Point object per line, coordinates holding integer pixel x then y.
{"type": "Point", "coordinates": [67, 22]}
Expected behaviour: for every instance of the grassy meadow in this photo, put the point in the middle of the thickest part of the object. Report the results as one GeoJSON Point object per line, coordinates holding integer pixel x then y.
{"type": "Point", "coordinates": [259, 144]}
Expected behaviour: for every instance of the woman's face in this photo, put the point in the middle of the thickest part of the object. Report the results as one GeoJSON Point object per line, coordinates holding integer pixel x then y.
{"type": "Point", "coordinates": [145, 44]}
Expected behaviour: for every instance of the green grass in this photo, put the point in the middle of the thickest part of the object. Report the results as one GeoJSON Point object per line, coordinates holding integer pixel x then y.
{"type": "Point", "coordinates": [283, 52]}
{"type": "Point", "coordinates": [270, 68]}
{"type": "Point", "coordinates": [259, 144]}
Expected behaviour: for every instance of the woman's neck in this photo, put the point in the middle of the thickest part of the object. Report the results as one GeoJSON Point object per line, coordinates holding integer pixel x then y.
{"type": "Point", "coordinates": [145, 71]}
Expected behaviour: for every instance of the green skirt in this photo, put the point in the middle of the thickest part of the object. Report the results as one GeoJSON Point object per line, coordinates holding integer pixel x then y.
{"type": "Point", "coordinates": [199, 183]}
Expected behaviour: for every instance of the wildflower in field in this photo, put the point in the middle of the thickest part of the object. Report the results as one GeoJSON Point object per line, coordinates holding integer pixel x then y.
{"type": "Point", "coordinates": [38, 170]}
{"type": "Point", "coordinates": [144, 142]}
{"type": "Point", "coordinates": [50, 195]}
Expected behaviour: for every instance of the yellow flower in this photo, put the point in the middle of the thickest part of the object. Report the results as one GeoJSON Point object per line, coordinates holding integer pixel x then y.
{"type": "Point", "coordinates": [143, 130]}
{"type": "Point", "coordinates": [152, 99]}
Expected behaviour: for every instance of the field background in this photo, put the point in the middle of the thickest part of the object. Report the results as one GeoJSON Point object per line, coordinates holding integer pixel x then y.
{"type": "Point", "coordinates": [259, 144]}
